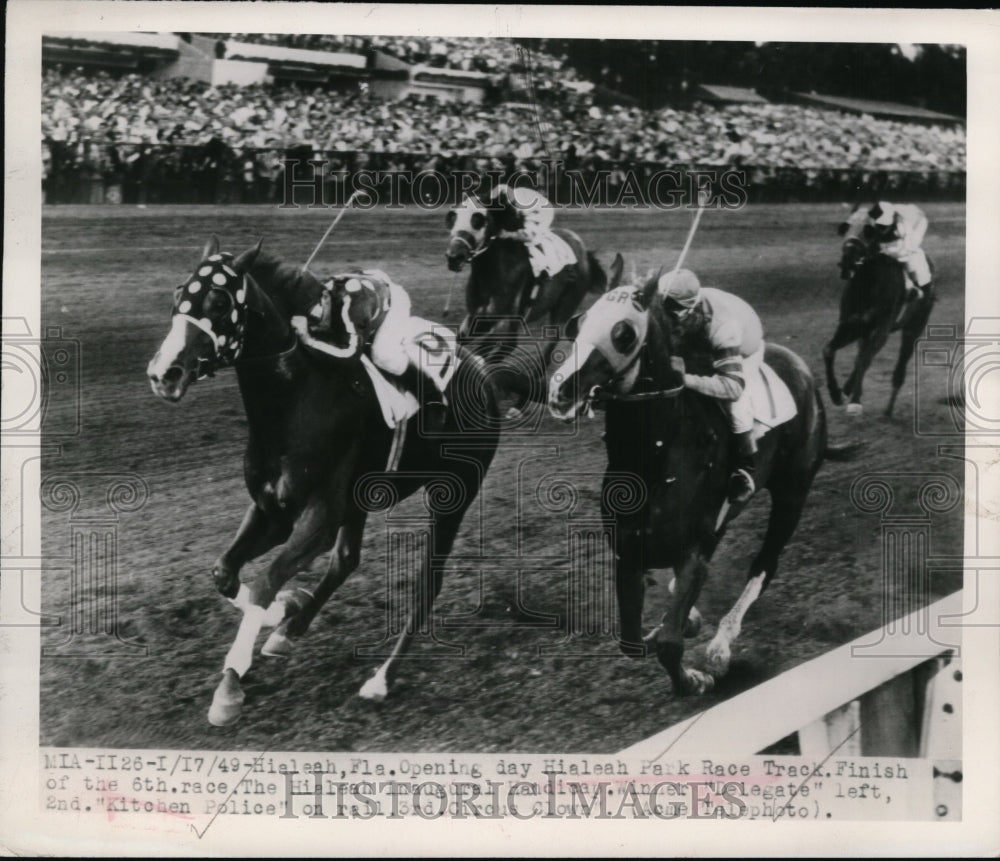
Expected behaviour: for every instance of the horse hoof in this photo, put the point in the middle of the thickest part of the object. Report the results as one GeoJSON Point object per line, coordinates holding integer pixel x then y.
{"type": "Point", "coordinates": [718, 656]}
{"type": "Point", "coordinates": [277, 646]}
{"type": "Point", "coordinates": [227, 702]}
{"type": "Point", "coordinates": [697, 682]}
{"type": "Point", "coordinates": [693, 624]}
{"type": "Point", "coordinates": [512, 414]}
{"type": "Point", "coordinates": [374, 690]}
{"type": "Point", "coordinates": [854, 409]}
{"type": "Point", "coordinates": [636, 651]}
{"type": "Point", "coordinates": [837, 398]}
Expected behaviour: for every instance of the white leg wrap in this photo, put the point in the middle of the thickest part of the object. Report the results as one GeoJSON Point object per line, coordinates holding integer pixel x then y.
{"type": "Point", "coordinates": [242, 599]}
{"type": "Point", "coordinates": [240, 654]}
{"type": "Point", "coordinates": [275, 614]}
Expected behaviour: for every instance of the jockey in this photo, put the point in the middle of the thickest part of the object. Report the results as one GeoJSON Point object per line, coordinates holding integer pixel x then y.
{"type": "Point", "coordinates": [899, 230]}
{"type": "Point", "coordinates": [375, 314]}
{"type": "Point", "coordinates": [526, 213]}
{"type": "Point", "coordinates": [736, 337]}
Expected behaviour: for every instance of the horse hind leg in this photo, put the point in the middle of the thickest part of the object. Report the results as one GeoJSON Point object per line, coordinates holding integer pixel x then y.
{"type": "Point", "coordinates": [786, 509]}
{"type": "Point", "coordinates": [429, 581]}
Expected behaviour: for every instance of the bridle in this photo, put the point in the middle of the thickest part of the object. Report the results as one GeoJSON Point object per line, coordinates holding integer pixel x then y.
{"type": "Point", "coordinates": [474, 248]}
{"type": "Point", "coordinates": [600, 395]}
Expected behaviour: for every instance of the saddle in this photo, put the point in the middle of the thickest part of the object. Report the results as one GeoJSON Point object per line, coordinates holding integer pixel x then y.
{"type": "Point", "coordinates": [548, 253]}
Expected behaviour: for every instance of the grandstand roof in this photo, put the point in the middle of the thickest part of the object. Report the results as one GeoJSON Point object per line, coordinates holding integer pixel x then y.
{"type": "Point", "coordinates": [277, 53]}
{"type": "Point", "coordinates": [893, 110]}
{"type": "Point", "coordinates": [720, 93]}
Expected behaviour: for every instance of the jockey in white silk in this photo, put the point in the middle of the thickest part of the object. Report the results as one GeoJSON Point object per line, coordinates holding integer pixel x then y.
{"type": "Point", "coordinates": [736, 337]}
{"type": "Point", "coordinates": [900, 230]}
{"type": "Point", "coordinates": [533, 212]}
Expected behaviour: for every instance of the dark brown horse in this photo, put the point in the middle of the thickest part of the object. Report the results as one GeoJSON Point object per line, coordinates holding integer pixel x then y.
{"type": "Point", "coordinates": [316, 434]}
{"type": "Point", "coordinates": [675, 444]}
{"type": "Point", "coordinates": [507, 306]}
{"type": "Point", "coordinates": [873, 305]}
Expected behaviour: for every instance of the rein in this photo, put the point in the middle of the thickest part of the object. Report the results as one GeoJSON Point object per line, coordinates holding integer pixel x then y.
{"type": "Point", "coordinates": [598, 395]}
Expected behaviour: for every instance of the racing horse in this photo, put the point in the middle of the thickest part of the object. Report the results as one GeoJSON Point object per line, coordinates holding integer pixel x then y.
{"type": "Point", "coordinates": [317, 437]}
{"type": "Point", "coordinates": [873, 305]}
{"type": "Point", "coordinates": [503, 297]}
{"type": "Point", "coordinates": [673, 444]}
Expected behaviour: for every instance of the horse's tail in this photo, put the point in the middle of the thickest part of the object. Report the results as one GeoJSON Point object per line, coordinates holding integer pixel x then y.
{"type": "Point", "coordinates": [598, 277]}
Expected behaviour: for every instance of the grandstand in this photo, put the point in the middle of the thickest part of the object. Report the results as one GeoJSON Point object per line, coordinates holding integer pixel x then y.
{"type": "Point", "coordinates": [126, 116]}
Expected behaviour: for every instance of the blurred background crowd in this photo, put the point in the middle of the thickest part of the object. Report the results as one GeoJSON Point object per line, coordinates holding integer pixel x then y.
{"type": "Point", "coordinates": [152, 137]}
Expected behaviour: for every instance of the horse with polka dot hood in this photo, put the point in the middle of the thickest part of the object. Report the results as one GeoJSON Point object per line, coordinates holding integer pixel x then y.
{"type": "Point", "coordinates": [319, 454]}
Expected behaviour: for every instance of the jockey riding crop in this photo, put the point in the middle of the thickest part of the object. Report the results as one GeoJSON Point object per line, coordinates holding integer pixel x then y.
{"type": "Point", "coordinates": [702, 203]}
{"type": "Point", "coordinates": [329, 230]}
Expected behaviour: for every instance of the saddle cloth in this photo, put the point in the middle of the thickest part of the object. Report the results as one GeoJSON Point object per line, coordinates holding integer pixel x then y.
{"type": "Point", "coordinates": [433, 349]}
{"type": "Point", "coordinates": [772, 402]}
{"type": "Point", "coordinates": [549, 254]}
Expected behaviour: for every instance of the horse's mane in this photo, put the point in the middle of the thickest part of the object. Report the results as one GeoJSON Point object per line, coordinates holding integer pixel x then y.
{"type": "Point", "coordinates": [291, 289]}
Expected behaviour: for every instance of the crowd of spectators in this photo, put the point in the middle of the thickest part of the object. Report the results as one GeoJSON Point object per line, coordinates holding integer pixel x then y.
{"type": "Point", "coordinates": [96, 107]}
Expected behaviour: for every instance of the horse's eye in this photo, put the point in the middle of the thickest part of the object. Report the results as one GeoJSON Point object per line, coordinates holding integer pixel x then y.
{"type": "Point", "coordinates": [449, 219]}
{"type": "Point", "coordinates": [218, 302]}
{"type": "Point", "coordinates": [623, 337]}
{"type": "Point", "coordinates": [478, 221]}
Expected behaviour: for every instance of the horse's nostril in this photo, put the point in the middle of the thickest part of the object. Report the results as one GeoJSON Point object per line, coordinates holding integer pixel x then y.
{"type": "Point", "coordinates": [173, 375]}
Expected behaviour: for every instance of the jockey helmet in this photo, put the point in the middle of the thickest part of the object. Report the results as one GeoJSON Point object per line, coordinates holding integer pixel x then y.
{"type": "Point", "coordinates": [882, 213]}
{"type": "Point", "coordinates": [681, 289]}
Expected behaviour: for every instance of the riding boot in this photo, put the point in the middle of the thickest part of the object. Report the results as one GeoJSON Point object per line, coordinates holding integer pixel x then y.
{"type": "Point", "coordinates": [742, 483]}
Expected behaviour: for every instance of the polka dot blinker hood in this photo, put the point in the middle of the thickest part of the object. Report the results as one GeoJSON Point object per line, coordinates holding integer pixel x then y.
{"type": "Point", "coordinates": [214, 299]}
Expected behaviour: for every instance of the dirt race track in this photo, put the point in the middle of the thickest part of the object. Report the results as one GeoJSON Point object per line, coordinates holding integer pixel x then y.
{"type": "Point", "coordinates": [523, 684]}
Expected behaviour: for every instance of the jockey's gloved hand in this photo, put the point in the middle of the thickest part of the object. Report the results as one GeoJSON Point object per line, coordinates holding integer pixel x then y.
{"type": "Point", "coordinates": [677, 365]}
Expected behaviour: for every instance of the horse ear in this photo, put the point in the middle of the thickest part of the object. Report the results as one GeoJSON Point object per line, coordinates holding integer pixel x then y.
{"type": "Point", "coordinates": [842, 228]}
{"type": "Point", "coordinates": [247, 258]}
{"type": "Point", "coordinates": [648, 291]}
{"type": "Point", "coordinates": [617, 270]}
{"type": "Point", "coordinates": [211, 247]}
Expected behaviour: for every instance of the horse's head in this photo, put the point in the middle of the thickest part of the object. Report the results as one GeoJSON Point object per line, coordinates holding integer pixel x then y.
{"type": "Point", "coordinates": [207, 324]}
{"type": "Point", "coordinates": [607, 342]}
{"type": "Point", "coordinates": [469, 225]}
{"type": "Point", "coordinates": [858, 242]}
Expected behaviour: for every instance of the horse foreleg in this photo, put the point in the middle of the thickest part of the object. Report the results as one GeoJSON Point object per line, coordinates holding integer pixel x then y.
{"type": "Point", "coordinates": [910, 334]}
{"type": "Point", "coordinates": [257, 534]}
{"type": "Point", "coordinates": [310, 536]}
{"type": "Point", "coordinates": [344, 560]}
{"type": "Point", "coordinates": [670, 640]}
{"type": "Point", "coordinates": [846, 333]}
{"type": "Point", "coordinates": [870, 345]}
{"type": "Point", "coordinates": [429, 580]}
{"type": "Point", "coordinates": [630, 586]}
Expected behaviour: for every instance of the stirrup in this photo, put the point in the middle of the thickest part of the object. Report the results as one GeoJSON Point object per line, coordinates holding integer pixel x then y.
{"type": "Point", "coordinates": [741, 487]}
